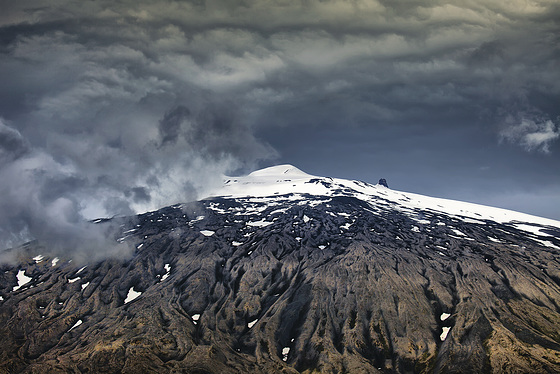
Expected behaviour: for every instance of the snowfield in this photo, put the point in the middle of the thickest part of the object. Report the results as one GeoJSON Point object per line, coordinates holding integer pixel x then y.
{"type": "Point", "coordinates": [286, 182]}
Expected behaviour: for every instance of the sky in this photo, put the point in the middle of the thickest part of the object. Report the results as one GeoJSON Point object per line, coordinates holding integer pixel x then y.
{"type": "Point", "coordinates": [118, 107]}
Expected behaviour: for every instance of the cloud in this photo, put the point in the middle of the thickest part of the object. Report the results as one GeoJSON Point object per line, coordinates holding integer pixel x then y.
{"type": "Point", "coordinates": [170, 125]}
{"type": "Point", "coordinates": [534, 134]}
{"type": "Point", "coordinates": [12, 144]}
{"type": "Point", "coordinates": [40, 201]}
{"type": "Point", "coordinates": [491, 51]}
{"type": "Point", "coordinates": [119, 107]}
{"type": "Point", "coordinates": [49, 193]}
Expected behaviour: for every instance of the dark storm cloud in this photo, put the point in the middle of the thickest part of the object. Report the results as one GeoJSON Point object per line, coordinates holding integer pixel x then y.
{"type": "Point", "coordinates": [170, 125]}
{"type": "Point", "coordinates": [127, 106]}
{"type": "Point", "coordinates": [487, 52]}
{"type": "Point", "coordinates": [55, 186]}
{"type": "Point", "coordinates": [140, 195]}
{"type": "Point", "coordinates": [12, 144]}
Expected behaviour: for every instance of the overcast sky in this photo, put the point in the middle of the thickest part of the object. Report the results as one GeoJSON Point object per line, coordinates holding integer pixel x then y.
{"type": "Point", "coordinates": [115, 107]}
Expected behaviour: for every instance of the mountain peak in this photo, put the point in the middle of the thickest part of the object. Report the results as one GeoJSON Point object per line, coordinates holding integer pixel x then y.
{"type": "Point", "coordinates": [287, 181]}
{"type": "Point", "coordinates": [285, 170]}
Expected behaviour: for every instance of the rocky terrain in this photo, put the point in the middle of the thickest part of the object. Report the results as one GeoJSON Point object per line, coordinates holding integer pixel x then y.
{"type": "Point", "coordinates": [293, 282]}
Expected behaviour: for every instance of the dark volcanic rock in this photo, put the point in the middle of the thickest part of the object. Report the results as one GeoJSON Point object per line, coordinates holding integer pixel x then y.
{"type": "Point", "coordinates": [303, 286]}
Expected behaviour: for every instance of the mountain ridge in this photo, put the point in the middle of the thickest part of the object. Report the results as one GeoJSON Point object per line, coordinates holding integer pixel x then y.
{"type": "Point", "coordinates": [278, 180]}
{"type": "Point", "coordinates": [314, 275]}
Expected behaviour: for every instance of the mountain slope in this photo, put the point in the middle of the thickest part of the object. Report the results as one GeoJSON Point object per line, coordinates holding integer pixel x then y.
{"type": "Point", "coordinates": [283, 272]}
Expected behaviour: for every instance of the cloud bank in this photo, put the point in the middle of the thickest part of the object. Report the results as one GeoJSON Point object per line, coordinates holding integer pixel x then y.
{"type": "Point", "coordinates": [113, 108]}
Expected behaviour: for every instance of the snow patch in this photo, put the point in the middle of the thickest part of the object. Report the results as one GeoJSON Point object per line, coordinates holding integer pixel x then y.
{"type": "Point", "coordinates": [197, 219]}
{"type": "Point", "coordinates": [285, 352]}
{"type": "Point", "coordinates": [140, 245]}
{"type": "Point", "coordinates": [547, 243]}
{"type": "Point", "coordinates": [76, 324]}
{"type": "Point", "coordinates": [530, 228]}
{"type": "Point", "coordinates": [457, 232]}
{"type": "Point", "coordinates": [252, 323]}
{"type": "Point", "coordinates": [261, 223]}
{"type": "Point", "coordinates": [346, 226]}
{"type": "Point", "coordinates": [55, 261]}
{"type": "Point", "coordinates": [460, 237]}
{"type": "Point", "coordinates": [120, 240]}
{"type": "Point", "coordinates": [195, 318]}
{"type": "Point", "coordinates": [306, 219]}
{"type": "Point", "coordinates": [283, 210]}
{"type": "Point", "coordinates": [38, 258]}
{"type": "Point", "coordinates": [207, 232]}
{"type": "Point", "coordinates": [73, 280]}
{"type": "Point", "coordinates": [470, 220]}
{"type": "Point", "coordinates": [131, 295]}
{"type": "Point", "coordinates": [444, 316]}
{"type": "Point", "coordinates": [85, 285]}
{"type": "Point", "coordinates": [167, 268]}
{"type": "Point", "coordinates": [236, 244]}
{"type": "Point", "coordinates": [22, 280]}
{"type": "Point", "coordinates": [216, 208]}
{"type": "Point", "coordinates": [444, 333]}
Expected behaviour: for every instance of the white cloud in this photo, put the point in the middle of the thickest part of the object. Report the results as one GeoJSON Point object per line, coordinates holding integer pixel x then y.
{"type": "Point", "coordinates": [532, 134]}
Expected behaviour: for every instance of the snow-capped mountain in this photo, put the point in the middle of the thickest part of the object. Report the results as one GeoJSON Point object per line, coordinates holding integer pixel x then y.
{"type": "Point", "coordinates": [282, 180]}
{"type": "Point", "coordinates": [286, 184]}
{"type": "Point", "coordinates": [283, 272]}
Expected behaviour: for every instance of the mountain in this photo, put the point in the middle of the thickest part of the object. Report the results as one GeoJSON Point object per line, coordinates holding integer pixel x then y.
{"type": "Point", "coordinates": [283, 272]}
